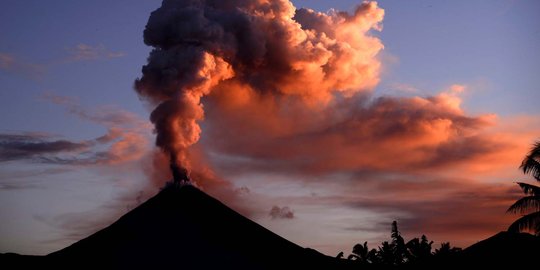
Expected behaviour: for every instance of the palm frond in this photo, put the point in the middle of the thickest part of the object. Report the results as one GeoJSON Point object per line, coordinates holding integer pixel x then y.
{"type": "Point", "coordinates": [530, 164]}
{"type": "Point", "coordinates": [529, 189]}
{"type": "Point", "coordinates": [530, 222]}
{"type": "Point", "coordinates": [525, 204]}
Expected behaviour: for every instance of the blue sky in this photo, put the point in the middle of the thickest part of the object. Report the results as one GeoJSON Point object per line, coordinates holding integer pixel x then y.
{"type": "Point", "coordinates": [92, 51]}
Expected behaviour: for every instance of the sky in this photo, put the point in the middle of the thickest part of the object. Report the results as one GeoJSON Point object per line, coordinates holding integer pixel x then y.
{"type": "Point", "coordinates": [426, 121]}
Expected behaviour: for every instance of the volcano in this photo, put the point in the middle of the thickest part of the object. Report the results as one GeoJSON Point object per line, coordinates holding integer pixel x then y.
{"type": "Point", "coordinates": [184, 228]}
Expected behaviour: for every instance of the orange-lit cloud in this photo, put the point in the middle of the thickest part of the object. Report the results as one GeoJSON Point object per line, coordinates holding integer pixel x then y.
{"type": "Point", "coordinates": [270, 49]}
{"type": "Point", "coordinates": [386, 133]}
{"type": "Point", "coordinates": [421, 160]}
{"type": "Point", "coordinates": [287, 91]}
{"type": "Point", "coordinates": [126, 138]}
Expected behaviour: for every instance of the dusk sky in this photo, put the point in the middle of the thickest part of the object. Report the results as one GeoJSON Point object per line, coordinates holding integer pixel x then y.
{"type": "Point", "coordinates": [422, 114]}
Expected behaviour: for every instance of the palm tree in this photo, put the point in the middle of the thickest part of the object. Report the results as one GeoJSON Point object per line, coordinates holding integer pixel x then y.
{"type": "Point", "coordinates": [386, 254]}
{"type": "Point", "coordinates": [362, 253]}
{"type": "Point", "coordinates": [398, 244]}
{"type": "Point", "coordinates": [418, 249]}
{"type": "Point", "coordinates": [531, 203]}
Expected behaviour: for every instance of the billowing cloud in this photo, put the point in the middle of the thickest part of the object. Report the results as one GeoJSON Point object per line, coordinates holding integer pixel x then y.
{"type": "Point", "coordinates": [423, 161]}
{"type": "Point", "coordinates": [251, 48]}
{"type": "Point", "coordinates": [384, 133]}
{"type": "Point", "coordinates": [286, 91]}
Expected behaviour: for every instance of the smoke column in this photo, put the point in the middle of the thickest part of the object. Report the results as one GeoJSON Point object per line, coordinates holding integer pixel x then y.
{"type": "Point", "coordinates": [267, 47]}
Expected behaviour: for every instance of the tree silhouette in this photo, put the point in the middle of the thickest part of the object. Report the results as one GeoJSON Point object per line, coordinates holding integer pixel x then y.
{"type": "Point", "coordinates": [528, 206]}
{"type": "Point", "coordinates": [398, 245]}
{"type": "Point", "coordinates": [385, 254]}
{"type": "Point", "coordinates": [363, 254]}
{"type": "Point", "coordinates": [418, 249]}
{"type": "Point", "coordinates": [416, 252]}
{"type": "Point", "coordinates": [446, 250]}
{"type": "Point", "coordinates": [391, 253]}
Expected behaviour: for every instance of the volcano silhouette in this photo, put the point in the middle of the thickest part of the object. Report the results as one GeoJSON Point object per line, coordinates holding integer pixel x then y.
{"type": "Point", "coordinates": [184, 228]}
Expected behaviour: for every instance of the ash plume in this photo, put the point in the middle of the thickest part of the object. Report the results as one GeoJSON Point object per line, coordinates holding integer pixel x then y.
{"type": "Point", "coordinates": [261, 48]}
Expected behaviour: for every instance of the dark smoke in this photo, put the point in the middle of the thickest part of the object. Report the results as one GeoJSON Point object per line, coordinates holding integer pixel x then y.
{"type": "Point", "coordinates": [258, 46]}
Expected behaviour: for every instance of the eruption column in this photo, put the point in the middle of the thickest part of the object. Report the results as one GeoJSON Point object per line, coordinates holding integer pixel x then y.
{"type": "Point", "coordinates": [264, 48]}
{"type": "Point", "coordinates": [180, 174]}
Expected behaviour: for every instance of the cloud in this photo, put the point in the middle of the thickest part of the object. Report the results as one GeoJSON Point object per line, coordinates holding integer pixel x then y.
{"type": "Point", "coordinates": [15, 146]}
{"type": "Point", "coordinates": [109, 116]}
{"type": "Point", "coordinates": [422, 160]}
{"type": "Point", "coordinates": [121, 147]}
{"type": "Point", "coordinates": [257, 47]}
{"type": "Point", "coordinates": [286, 91]}
{"type": "Point", "coordinates": [16, 186]}
{"type": "Point", "coordinates": [85, 52]}
{"type": "Point", "coordinates": [126, 136]}
{"type": "Point", "coordinates": [281, 212]}
{"type": "Point", "coordinates": [383, 133]}
{"type": "Point", "coordinates": [125, 140]}
{"type": "Point", "coordinates": [403, 88]}
{"type": "Point", "coordinates": [11, 63]}
{"type": "Point", "coordinates": [456, 210]}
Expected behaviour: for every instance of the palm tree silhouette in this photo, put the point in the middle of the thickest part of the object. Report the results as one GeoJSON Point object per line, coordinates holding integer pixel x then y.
{"type": "Point", "coordinates": [418, 249]}
{"type": "Point", "coordinates": [531, 203]}
{"type": "Point", "coordinates": [386, 254]}
{"type": "Point", "coordinates": [363, 254]}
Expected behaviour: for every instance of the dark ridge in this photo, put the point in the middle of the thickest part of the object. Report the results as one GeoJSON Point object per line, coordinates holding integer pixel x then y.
{"type": "Point", "coordinates": [505, 249]}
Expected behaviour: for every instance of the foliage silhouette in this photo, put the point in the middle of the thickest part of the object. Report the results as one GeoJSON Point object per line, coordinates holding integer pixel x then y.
{"type": "Point", "coordinates": [418, 249]}
{"type": "Point", "coordinates": [398, 245]}
{"type": "Point", "coordinates": [528, 206]}
{"type": "Point", "coordinates": [397, 252]}
{"type": "Point", "coordinates": [446, 250]}
{"type": "Point", "coordinates": [363, 254]}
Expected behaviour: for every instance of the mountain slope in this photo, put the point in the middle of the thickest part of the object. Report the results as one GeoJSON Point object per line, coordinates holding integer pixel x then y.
{"type": "Point", "coordinates": [505, 249]}
{"type": "Point", "coordinates": [184, 228]}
